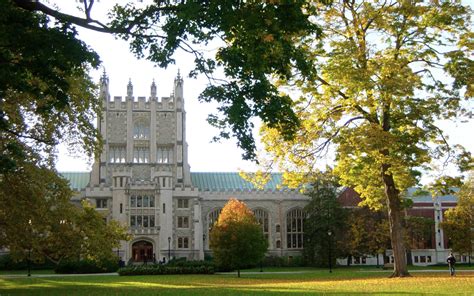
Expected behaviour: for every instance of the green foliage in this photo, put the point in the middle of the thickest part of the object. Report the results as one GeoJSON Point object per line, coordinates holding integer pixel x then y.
{"type": "Point", "coordinates": [87, 266]}
{"type": "Point", "coordinates": [183, 267]}
{"type": "Point", "coordinates": [388, 71]}
{"type": "Point", "coordinates": [419, 231]}
{"type": "Point", "coordinates": [46, 93]}
{"type": "Point", "coordinates": [36, 215]}
{"type": "Point", "coordinates": [46, 97]}
{"type": "Point", "coordinates": [254, 40]}
{"type": "Point", "coordinates": [459, 221]}
{"type": "Point", "coordinates": [237, 239]}
{"type": "Point", "coordinates": [367, 232]}
{"type": "Point", "coordinates": [324, 213]}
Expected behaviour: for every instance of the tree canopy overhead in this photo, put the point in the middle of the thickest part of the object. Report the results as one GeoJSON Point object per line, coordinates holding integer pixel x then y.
{"type": "Point", "coordinates": [254, 40]}
{"type": "Point", "coordinates": [46, 94]}
{"type": "Point", "coordinates": [388, 70]}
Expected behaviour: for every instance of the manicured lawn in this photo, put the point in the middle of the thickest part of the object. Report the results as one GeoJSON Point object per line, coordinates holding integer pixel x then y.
{"type": "Point", "coordinates": [343, 281]}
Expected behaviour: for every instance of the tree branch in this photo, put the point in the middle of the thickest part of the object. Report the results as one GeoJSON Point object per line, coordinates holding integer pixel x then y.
{"type": "Point", "coordinates": [366, 115]}
{"type": "Point", "coordinates": [85, 23]}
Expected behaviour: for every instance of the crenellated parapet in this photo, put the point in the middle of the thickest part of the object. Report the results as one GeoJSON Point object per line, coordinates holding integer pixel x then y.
{"type": "Point", "coordinates": [254, 194]}
{"type": "Point", "coordinates": [142, 103]}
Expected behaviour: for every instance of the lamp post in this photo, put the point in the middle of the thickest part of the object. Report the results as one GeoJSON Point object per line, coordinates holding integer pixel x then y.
{"type": "Point", "coordinates": [330, 263]}
{"type": "Point", "coordinates": [29, 252]}
{"type": "Point", "coordinates": [169, 249]}
{"type": "Point", "coordinates": [29, 261]}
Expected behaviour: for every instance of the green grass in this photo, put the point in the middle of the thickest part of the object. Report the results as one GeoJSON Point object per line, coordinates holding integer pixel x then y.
{"type": "Point", "coordinates": [343, 281]}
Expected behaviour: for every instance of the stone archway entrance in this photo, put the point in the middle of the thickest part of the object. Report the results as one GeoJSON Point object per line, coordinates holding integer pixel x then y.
{"type": "Point", "coordinates": [142, 251]}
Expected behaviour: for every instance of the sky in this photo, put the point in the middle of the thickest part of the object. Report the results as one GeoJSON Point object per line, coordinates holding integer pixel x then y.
{"type": "Point", "coordinates": [121, 66]}
{"type": "Point", "coordinates": [204, 156]}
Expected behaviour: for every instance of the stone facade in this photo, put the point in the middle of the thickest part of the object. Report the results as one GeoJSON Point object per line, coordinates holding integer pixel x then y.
{"type": "Point", "coordinates": [143, 180]}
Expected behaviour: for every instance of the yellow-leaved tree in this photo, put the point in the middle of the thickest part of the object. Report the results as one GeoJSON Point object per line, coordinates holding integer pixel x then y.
{"type": "Point", "coordinates": [388, 71]}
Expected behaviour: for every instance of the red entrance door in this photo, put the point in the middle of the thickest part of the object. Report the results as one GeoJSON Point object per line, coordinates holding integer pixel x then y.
{"type": "Point", "coordinates": [142, 251]}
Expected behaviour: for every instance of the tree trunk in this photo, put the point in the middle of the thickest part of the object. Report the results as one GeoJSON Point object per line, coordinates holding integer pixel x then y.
{"type": "Point", "coordinates": [238, 272]}
{"type": "Point", "coordinates": [400, 268]}
{"type": "Point", "coordinates": [409, 261]}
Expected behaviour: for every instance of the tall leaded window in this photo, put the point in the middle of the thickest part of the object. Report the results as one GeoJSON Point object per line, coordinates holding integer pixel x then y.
{"type": "Point", "coordinates": [117, 154]}
{"type": "Point", "coordinates": [294, 229]}
{"type": "Point", "coordinates": [183, 222]}
{"type": "Point", "coordinates": [212, 217]}
{"type": "Point", "coordinates": [142, 221]}
{"type": "Point", "coordinates": [101, 203]}
{"type": "Point", "coordinates": [141, 130]}
{"type": "Point", "coordinates": [141, 154]}
{"type": "Point", "coordinates": [183, 203]}
{"type": "Point", "coordinates": [164, 155]}
{"type": "Point", "coordinates": [142, 201]}
{"type": "Point", "coordinates": [262, 218]}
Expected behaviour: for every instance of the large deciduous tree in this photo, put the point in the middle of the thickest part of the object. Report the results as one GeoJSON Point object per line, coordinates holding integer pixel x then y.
{"type": "Point", "coordinates": [237, 238]}
{"type": "Point", "coordinates": [388, 70]}
{"type": "Point", "coordinates": [37, 217]}
{"type": "Point", "coordinates": [459, 221]}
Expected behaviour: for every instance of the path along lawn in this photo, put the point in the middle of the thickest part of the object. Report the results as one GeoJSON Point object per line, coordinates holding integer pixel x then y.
{"type": "Point", "coordinates": [306, 282]}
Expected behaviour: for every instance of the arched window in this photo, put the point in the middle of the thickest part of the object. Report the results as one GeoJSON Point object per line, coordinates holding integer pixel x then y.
{"type": "Point", "coordinates": [262, 218]}
{"type": "Point", "coordinates": [141, 154]}
{"type": "Point", "coordinates": [294, 229]}
{"type": "Point", "coordinates": [212, 217]}
{"type": "Point", "coordinates": [117, 154]}
{"type": "Point", "coordinates": [141, 130]}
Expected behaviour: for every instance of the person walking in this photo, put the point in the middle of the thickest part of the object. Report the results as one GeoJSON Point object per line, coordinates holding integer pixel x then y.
{"type": "Point", "coordinates": [451, 261]}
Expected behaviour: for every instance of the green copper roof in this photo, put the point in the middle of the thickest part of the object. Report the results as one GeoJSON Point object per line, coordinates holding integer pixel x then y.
{"type": "Point", "coordinates": [230, 181]}
{"type": "Point", "coordinates": [77, 180]}
{"type": "Point", "coordinates": [203, 181]}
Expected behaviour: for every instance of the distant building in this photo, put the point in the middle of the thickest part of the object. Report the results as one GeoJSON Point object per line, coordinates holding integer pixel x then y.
{"type": "Point", "coordinates": [431, 251]}
{"type": "Point", "coordinates": [143, 180]}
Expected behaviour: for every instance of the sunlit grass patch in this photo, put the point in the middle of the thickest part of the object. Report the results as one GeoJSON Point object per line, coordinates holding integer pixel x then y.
{"type": "Point", "coordinates": [340, 282]}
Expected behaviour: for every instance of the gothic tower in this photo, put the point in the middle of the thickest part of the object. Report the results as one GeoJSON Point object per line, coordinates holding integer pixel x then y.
{"type": "Point", "coordinates": [142, 177]}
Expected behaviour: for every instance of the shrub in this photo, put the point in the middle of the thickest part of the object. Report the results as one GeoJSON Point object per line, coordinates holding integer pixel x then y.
{"type": "Point", "coordinates": [87, 266]}
{"type": "Point", "coordinates": [177, 267]}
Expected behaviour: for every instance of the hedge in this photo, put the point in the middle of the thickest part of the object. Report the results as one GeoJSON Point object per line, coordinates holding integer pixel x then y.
{"type": "Point", "coordinates": [86, 266]}
{"type": "Point", "coordinates": [182, 267]}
